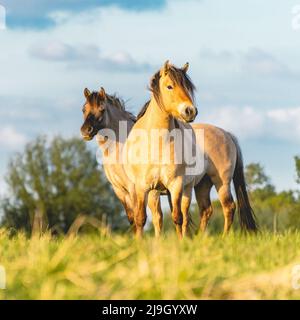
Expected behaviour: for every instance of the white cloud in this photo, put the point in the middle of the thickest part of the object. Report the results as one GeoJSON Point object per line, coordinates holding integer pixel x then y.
{"type": "Point", "coordinates": [255, 61]}
{"type": "Point", "coordinates": [53, 50]}
{"type": "Point", "coordinates": [285, 115]}
{"type": "Point", "coordinates": [286, 123]}
{"type": "Point", "coordinates": [87, 56]}
{"type": "Point", "coordinates": [245, 122]}
{"type": "Point", "coordinates": [250, 123]}
{"type": "Point", "coordinates": [10, 138]}
{"type": "Point", "coordinates": [261, 62]}
{"type": "Point", "coordinates": [217, 56]}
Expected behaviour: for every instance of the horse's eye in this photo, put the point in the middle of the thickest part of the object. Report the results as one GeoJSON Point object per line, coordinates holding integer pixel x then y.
{"type": "Point", "coordinates": [169, 87]}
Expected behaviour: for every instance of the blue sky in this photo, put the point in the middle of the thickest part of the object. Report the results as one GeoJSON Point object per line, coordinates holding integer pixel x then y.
{"type": "Point", "coordinates": [244, 60]}
{"type": "Point", "coordinates": [37, 13]}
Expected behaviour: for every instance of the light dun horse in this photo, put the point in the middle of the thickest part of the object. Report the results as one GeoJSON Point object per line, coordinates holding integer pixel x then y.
{"type": "Point", "coordinates": [224, 164]}
{"type": "Point", "coordinates": [171, 99]}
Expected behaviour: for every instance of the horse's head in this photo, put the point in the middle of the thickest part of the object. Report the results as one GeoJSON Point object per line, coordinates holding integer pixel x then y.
{"type": "Point", "coordinates": [93, 113]}
{"type": "Point", "coordinates": [174, 90]}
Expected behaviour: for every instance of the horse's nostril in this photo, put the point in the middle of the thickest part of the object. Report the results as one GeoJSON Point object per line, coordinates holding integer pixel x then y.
{"type": "Point", "coordinates": [189, 111]}
{"type": "Point", "coordinates": [89, 130]}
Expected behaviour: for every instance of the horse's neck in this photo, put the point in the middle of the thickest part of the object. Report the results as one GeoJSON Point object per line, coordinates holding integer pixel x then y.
{"type": "Point", "coordinates": [117, 119]}
{"type": "Point", "coordinates": [157, 117]}
{"type": "Point", "coordinates": [120, 123]}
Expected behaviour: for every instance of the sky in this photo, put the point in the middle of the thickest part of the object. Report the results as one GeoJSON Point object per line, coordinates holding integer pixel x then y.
{"type": "Point", "coordinates": [243, 55]}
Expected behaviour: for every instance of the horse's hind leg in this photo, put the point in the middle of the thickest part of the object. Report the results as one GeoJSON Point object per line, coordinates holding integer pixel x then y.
{"type": "Point", "coordinates": [228, 206]}
{"type": "Point", "coordinates": [155, 207]}
{"type": "Point", "coordinates": [202, 192]}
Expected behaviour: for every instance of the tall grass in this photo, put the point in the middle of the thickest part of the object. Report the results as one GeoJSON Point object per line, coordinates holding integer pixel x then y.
{"type": "Point", "coordinates": [104, 266]}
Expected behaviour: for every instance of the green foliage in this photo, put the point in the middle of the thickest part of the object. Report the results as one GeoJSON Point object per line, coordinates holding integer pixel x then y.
{"type": "Point", "coordinates": [255, 176]}
{"type": "Point", "coordinates": [297, 164]}
{"type": "Point", "coordinates": [57, 181]}
{"type": "Point", "coordinates": [274, 210]}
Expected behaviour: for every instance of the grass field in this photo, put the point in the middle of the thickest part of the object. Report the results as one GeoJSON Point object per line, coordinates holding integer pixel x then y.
{"type": "Point", "coordinates": [103, 266]}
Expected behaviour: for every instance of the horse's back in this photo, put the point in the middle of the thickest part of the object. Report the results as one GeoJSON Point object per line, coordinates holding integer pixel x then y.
{"type": "Point", "coordinates": [220, 150]}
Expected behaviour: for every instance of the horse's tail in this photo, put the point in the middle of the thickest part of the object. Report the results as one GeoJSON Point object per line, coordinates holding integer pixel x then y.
{"type": "Point", "coordinates": [246, 215]}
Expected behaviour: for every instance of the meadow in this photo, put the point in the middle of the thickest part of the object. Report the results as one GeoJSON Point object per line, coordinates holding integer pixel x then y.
{"type": "Point", "coordinates": [106, 265]}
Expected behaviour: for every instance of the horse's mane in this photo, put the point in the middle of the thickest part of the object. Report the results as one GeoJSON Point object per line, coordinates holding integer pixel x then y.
{"type": "Point", "coordinates": [179, 77]}
{"type": "Point", "coordinates": [143, 110]}
{"type": "Point", "coordinates": [96, 98]}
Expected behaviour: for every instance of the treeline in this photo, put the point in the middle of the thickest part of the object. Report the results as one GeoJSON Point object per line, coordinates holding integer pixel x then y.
{"type": "Point", "coordinates": [52, 183]}
{"type": "Point", "coordinates": [275, 211]}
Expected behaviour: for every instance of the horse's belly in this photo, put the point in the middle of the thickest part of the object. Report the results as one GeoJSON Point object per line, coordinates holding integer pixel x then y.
{"type": "Point", "coordinates": [152, 177]}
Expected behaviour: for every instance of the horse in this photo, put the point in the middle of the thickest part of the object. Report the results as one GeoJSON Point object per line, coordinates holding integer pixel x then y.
{"type": "Point", "coordinates": [224, 165]}
{"type": "Point", "coordinates": [166, 114]}
{"type": "Point", "coordinates": [103, 112]}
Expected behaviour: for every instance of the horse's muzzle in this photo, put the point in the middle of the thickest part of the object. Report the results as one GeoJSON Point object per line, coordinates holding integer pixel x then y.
{"type": "Point", "coordinates": [189, 113]}
{"type": "Point", "coordinates": [87, 138]}
{"type": "Point", "coordinates": [87, 132]}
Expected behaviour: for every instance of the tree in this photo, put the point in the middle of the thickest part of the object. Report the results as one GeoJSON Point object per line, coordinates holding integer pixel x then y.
{"type": "Point", "coordinates": [297, 164]}
{"type": "Point", "coordinates": [281, 204]}
{"type": "Point", "coordinates": [263, 195]}
{"type": "Point", "coordinates": [258, 182]}
{"type": "Point", "coordinates": [58, 180]}
{"type": "Point", "coordinates": [255, 176]}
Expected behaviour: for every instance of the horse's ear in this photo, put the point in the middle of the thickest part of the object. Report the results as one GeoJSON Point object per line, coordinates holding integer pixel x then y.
{"type": "Point", "coordinates": [166, 67]}
{"type": "Point", "coordinates": [102, 93]}
{"type": "Point", "coordinates": [86, 92]}
{"type": "Point", "coordinates": [185, 68]}
{"type": "Point", "coordinates": [152, 82]}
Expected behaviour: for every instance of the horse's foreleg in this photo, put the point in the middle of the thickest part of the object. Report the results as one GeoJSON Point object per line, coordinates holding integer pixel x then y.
{"type": "Point", "coordinates": [130, 214]}
{"type": "Point", "coordinates": [155, 207]}
{"type": "Point", "coordinates": [185, 205]}
{"type": "Point", "coordinates": [127, 203]}
{"type": "Point", "coordinates": [176, 197]}
{"type": "Point", "coordinates": [140, 215]}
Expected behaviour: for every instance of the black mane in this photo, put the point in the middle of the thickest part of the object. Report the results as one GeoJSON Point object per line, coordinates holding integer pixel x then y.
{"type": "Point", "coordinates": [95, 99]}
